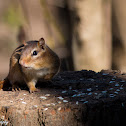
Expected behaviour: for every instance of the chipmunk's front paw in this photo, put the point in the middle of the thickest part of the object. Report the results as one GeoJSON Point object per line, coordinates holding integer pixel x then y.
{"type": "Point", "coordinates": [15, 88]}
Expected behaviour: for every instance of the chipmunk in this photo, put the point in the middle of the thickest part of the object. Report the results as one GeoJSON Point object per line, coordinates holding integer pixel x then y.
{"type": "Point", "coordinates": [30, 62]}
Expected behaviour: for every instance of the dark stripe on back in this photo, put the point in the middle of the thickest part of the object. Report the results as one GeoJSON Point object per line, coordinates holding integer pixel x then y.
{"type": "Point", "coordinates": [20, 47]}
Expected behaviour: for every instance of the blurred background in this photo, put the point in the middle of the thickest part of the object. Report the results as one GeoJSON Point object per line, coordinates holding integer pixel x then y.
{"type": "Point", "coordinates": [86, 34]}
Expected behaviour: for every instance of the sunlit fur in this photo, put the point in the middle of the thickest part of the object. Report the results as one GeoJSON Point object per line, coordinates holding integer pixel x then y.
{"type": "Point", "coordinates": [46, 62]}
{"type": "Point", "coordinates": [26, 68]}
{"type": "Point", "coordinates": [44, 58]}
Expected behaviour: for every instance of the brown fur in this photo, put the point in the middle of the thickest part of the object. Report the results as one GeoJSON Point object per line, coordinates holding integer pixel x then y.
{"type": "Point", "coordinates": [26, 68]}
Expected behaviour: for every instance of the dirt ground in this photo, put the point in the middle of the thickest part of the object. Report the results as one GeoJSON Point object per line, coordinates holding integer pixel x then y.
{"type": "Point", "coordinates": [71, 98]}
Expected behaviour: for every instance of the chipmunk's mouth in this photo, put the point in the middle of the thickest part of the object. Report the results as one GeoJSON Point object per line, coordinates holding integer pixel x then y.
{"type": "Point", "coordinates": [27, 67]}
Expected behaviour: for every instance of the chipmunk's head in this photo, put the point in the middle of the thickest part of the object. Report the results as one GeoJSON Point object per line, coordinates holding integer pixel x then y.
{"type": "Point", "coordinates": [33, 55]}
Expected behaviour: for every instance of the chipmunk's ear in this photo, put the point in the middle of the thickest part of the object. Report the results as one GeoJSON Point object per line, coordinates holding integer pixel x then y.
{"type": "Point", "coordinates": [41, 43]}
{"type": "Point", "coordinates": [24, 42]}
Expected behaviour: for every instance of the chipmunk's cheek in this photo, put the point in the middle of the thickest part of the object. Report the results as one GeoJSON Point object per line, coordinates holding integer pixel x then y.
{"type": "Point", "coordinates": [36, 66]}
{"type": "Point", "coordinates": [22, 63]}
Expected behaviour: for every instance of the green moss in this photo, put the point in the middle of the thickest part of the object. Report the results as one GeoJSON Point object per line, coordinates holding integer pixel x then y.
{"type": "Point", "coordinates": [13, 16]}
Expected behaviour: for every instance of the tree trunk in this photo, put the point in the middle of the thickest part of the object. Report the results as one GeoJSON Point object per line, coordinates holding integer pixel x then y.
{"type": "Point", "coordinates": [37, 26]}
{"type": "Point", "coordinates": [92, 37]}
{"type": "Point", "coordinates": [79, 98]}
{"type": "Point", "coordinates": [119, 37]}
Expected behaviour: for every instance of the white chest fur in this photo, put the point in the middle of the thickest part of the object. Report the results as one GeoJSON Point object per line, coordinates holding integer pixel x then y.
{"type": "Point", "coordinates": [35, 74]}
{"type": "Point", "coordinates": [41, 73]}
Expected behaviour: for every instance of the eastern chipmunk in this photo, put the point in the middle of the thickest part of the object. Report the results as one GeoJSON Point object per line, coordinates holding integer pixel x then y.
{"type": "Point", "coordinates": [30, 62]}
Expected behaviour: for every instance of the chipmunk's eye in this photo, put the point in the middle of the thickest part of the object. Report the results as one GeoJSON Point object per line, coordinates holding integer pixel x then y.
{"type": "Point", "coordinates": [35, 53]}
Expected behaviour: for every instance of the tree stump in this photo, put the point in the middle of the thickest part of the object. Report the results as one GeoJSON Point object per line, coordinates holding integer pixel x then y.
{"type": "Point", "coordinates": [80, 98]}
